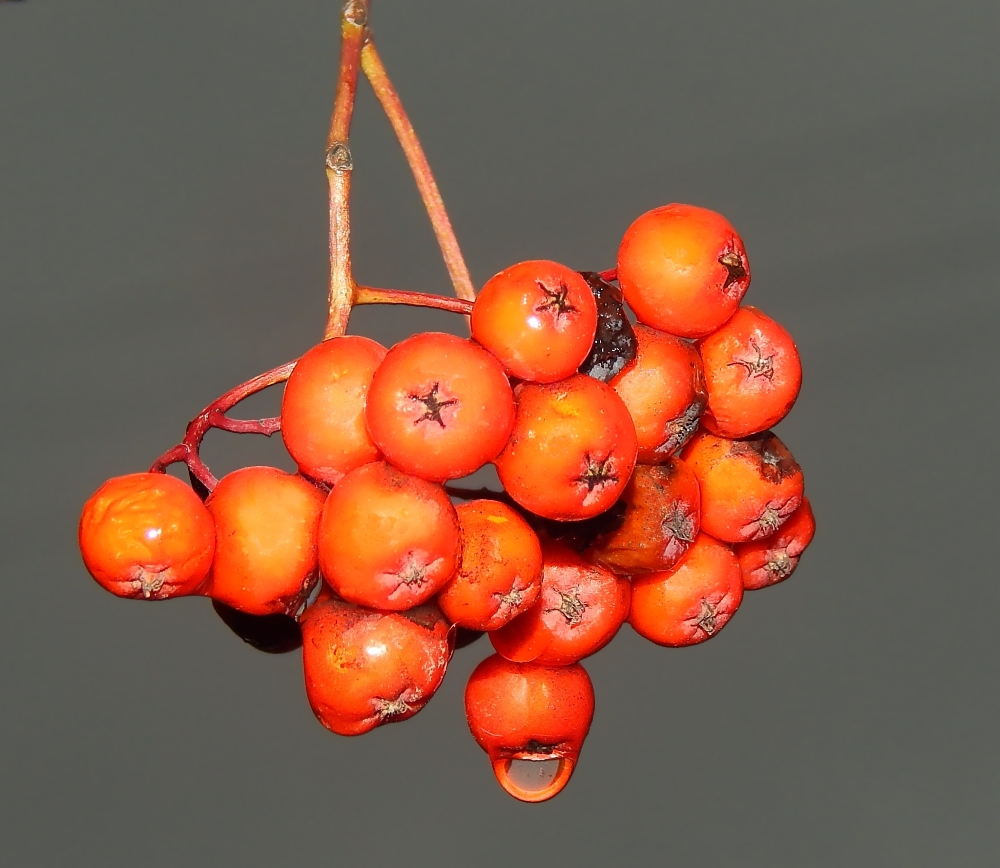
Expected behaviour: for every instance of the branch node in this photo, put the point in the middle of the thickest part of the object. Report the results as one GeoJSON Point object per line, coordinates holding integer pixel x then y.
{"type": "Point", "coordinates": [338, 158]}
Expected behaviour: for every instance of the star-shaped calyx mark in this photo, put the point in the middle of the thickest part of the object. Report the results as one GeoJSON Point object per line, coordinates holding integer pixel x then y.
{"type": "Point", "coordinates": [571, 607]}
{"type": "Point", "coordinates": [736, 269]}
{"type": "Point", "coordinates": [386, 708]}
{"type": "Point", "coordinates": [598, 473]}
{"type": "Point", "coordinates": [707, 617]}
{"type": "Point", "coordinates": [556, 300]}
{"type": "Point", "coordinates": [433, 406]}
{"type": "Point", "coordinates": [762, 366]}
{"type": "Point", "coordinates": [780, 565]}
{"type": "Point", "coordinates": [678, 527]}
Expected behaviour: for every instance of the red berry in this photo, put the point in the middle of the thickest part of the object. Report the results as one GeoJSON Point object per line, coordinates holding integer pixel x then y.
{"type": "Point", "coordinates": [572, 449]}
{"type": "Point", "coordinates": [501, 570]}
{"type": "Point", "coordinates": [388, 540]}
{"type": "Point", "coordinates": [538, 318]}
{"type": "Point", "coordinates": [753, 374]}
{"type": "Point", "coordinates": [683, 269]}
{"type": "Point", "coordinates": [439, 407]}
{"type": "Point", "coordinates": [323, 407]}
{"type": "Point", "coordinates": [364, 668]}
{"type": "Point", "coordinates": [693, 601]}
{"type": "Point", "coordinates": [268, 524]}
{"type": "Point", "coordinates": [147, 535]}
{"type": "Point", "coordinates": [531, 720]}
{"type": "Point", "coordinates": [773, 559]}
{"type": "Point", "coordinates": [749, 487]}
{"type": "Point", "coordinates": [661, 520]}
{"type": "Point", "coordinates": [580, 609]}
{"type": "Point", "coordinates": [664, 390]}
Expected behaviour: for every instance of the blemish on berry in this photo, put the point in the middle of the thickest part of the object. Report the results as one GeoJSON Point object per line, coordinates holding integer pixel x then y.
{"type": "Point", "coordinates": [571, 607]}
{"type": "Point", "coordinates": [736, 271]}
{"type": "Point", "coordinates": [761, 366]}
{"type": "Point", "coordinates": [680, 429]}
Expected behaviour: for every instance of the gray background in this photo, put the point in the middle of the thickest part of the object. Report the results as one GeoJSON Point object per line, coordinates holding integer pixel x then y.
{"type": "Point", "coordinates": [162, 237]}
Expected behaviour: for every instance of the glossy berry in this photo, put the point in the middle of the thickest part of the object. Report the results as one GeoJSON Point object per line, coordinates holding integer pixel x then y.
{"type": "Point", "coordinates": [580, 609]}
{"type": "Point", "coordinates": [439, 407]}
{"type": "Point", "coordinates": [538, 318]}
{"type": "Point", "coordinates": [572, 449]}
{"type": "Point", "coordinates": [500, 574]}
{"type": "Point", "coordinates": [323, 407]}
{"type": "Point", "coordinates": [265, 558]}
{"type": "Point", "coordinates": [683, 269]}
{"type": "Point", "coordinates": [531, 720]}
{"type": "Point", "coordinates": [749, 487]}
{"type": "Point", "coordinates": [693, 601]}
{"type": "Point", "coordinates": [664, 390]}
{"type": "Point", "coordinates": [147, 535]}
{"type": "Point", "coordinates": [661, 519]}
{"type": "Point", "coordinates": [773, 559]}
{"type": "Point", "coordinates": [365, 668]}
{"type": "Point", "coordinates": [387, 540]}
{"type": "Point", "coordinates": [752, 372]}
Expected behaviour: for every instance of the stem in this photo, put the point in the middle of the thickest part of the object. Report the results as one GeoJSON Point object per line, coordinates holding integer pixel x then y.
{"type": "Point", "coordinates": [372, 295]}
{"type": "Point", "coordinates": [609, 275]}
{"type": "Point", "coordinates": [371, 63]}
{"type": "Point", "coordinates": [214, 416]}
{"type": "Point", "coordinates": [339, 164]}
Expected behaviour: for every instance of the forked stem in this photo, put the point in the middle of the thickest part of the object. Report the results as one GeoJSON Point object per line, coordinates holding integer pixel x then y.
{"type": "Point", "coordinates": [372, 66]}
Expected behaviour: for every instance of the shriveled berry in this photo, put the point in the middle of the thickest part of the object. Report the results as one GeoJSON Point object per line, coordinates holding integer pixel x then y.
{"type": "Point", "coordinates": [147, 536]}
{"type": "Point", "coordinates": [615, 341]}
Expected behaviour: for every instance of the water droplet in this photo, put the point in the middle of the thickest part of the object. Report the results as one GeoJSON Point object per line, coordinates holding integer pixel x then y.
{"type": "Point", "coordinates": [533, 780]}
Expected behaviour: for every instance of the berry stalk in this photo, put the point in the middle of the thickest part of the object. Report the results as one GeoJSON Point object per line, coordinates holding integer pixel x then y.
{"type": "Point", "coordinates": [339, 165]}
{"type": "Point", "coordinates": [372, 66]}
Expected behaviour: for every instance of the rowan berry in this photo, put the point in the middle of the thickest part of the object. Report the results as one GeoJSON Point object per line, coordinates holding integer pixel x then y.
{"type": "Point", "coordinates": [661, 519]}
{"type": "Point", "coordinates": [683, 269]}
{"type": "Point", "coordinates": [531, 720]}
{"type": "Point", "coordinates": [364, 668]}
{"type": "Point", "coordinates": [571, 451]}
{"type": "Point", "coordinates": [749, 487]}
{"type": "Point", "coordinates": [773, 559]}
{"type": "Point", "coordinates": [147, 535]}
{"type": "Point", "coordinates": [664, 390]}
{"type": "Point", "coordinates": [501, 569]}
{"type": "Point", "coordinates": [439, 407]}
{"type": "Point", "coordinates": [693, 601]}
{"type": "Point", "coordinates": [387, 540]}
{"type": "Point", "coordinates": [323, 407]}
{"type": "Point", "coordinates": [538, 318]}
{"type": "Point", "coordinates": [579, 610]}
{"type": "Point", "coordinates": [753, 374]}
{"type": "Point", "coordinates": [266, 555]}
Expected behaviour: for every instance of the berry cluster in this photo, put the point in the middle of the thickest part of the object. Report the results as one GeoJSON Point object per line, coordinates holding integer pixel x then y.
{"type": "Point", "coordinates": [640, 480]}
{"type": "Point", "coordinates": [640, 484]}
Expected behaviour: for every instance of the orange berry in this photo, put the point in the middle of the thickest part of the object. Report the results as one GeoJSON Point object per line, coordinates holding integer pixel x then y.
{"type": "Point", "coordinates": [572, 449]}
{"type": "Point", "coordinates": [265, 558]}
{"type": "Point", "coordinates": [501, 569]}
{"type": "Point", "coordinates": [365, 668]}
{"type": "Point", "coordinates": [683, 269]}
{"type": "Point", "coordinates": [531, 720]}
{"type": "Point", "coordinates": [147, 535]}
{"type": "Point", "coordinates": [661, 520]}
{"type": "Point", "coordinates": [693, 601]}
{"type": "Point", "coordinates": [538, 318]}
{"type": "Point", "coordinates": [439, 407]}
{"type": "Point", "coordinates": [752, 372]}
{"type": "Point", "coordinates": [580, 609]}
{"type": "Point", "coordinates": [664, 390]}
{"type": "Point", "coordinates": [773, 559]}
{"type": "Point", "coordinates": [387, 540]}
{"type": "Point", "coordinates": [748, 487]}
{"type": "Point", "coordinates": [323, 407]}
